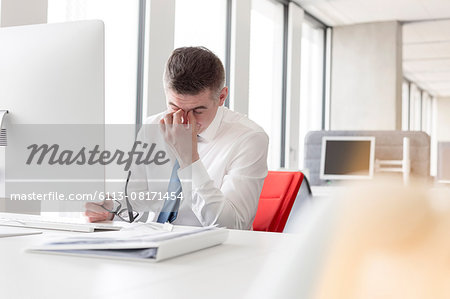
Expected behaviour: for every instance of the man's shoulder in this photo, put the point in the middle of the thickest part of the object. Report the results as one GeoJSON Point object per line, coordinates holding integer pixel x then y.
{"type": "Point", "coordinates": [154, 119]}
{"type": "Point", "coordinates": [243, 134]}
{"type": "Point", "coordinates": [240, 122]}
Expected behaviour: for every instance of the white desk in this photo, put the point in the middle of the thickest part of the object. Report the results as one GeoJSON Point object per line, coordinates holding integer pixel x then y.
{"type": "Point", "coordinates": [248, 265]}
{"type": "Point", "coordinates": [326, 191]}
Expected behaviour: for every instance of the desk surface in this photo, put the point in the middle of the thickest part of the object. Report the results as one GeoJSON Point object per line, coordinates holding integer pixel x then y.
{"type": "Point", "coordinates": [248, 264]}
{"type": "Point", "coordinates": [326, 191]}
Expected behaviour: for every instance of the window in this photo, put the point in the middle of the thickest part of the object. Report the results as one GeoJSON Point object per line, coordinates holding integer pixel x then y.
{"type": "Point", "coordinates": [266, 69]}
{"type": "Point", "coordinates": [201, 23]}
{"type": "Point", "coordinates": [121, 19]}
{"type": "Point", "coordinates": [311, 80]}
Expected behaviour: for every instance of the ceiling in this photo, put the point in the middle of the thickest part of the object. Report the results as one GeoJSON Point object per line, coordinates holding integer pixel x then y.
{"type": "Point", "coordinates": [426, 33]}
{"type": "Point", "coordinates": [426, 55]}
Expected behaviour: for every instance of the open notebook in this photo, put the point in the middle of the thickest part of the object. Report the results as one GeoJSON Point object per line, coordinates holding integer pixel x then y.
{"type": "Point", "coordinates": [142, 242]}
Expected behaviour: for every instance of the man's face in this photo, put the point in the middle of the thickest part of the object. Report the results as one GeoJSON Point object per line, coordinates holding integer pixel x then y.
{"type": "Point", "coordinates": [204, 105]}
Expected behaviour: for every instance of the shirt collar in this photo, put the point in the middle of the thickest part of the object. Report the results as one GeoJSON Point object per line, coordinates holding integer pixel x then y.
{"type": "Point", "coordinates": [213, 127]}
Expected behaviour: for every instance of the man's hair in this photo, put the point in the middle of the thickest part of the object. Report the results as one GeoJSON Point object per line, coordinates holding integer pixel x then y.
{"type": "Point", "coordinates": [191, 70]}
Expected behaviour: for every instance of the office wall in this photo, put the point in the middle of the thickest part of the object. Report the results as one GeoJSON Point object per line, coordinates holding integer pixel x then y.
{"type": "Point", "coordinates": [443, 119]}
{"type": "Point", "coordinates": [440, 128]}
{"type": "Point", "coordinates": [22, 12]}
{"type": "Point", "coordinates": [366, 77]}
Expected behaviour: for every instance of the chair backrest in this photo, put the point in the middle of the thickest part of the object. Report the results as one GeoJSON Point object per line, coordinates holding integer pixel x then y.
{"type": "Point", "coordinates": [277, 198]}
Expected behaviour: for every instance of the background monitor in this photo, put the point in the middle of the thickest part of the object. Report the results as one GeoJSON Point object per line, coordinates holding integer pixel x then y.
{"type": "Point", "coordinates": [347, 157]}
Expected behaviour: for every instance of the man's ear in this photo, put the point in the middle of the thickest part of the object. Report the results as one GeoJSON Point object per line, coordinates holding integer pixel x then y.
{"type": "Point", "coordinates": [223, 95]}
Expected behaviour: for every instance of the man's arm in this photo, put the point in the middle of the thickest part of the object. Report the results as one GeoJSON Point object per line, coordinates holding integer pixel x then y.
{"type": "Point", "coordinates": [234, 204]}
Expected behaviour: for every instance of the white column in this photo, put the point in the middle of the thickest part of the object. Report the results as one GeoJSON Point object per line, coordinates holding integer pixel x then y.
{"type": "Point", "coordinates": [366, 77]}
{"type": "Point", "coordinates": [434, 136]}
{"type": "Point", "coordinates": [159, 45]}
{"type": "Point", "coordinates": [240, 55]}
{"type": "Point", "coordinates": [295, 20]}
{"type": "Point", "coordinates": [443, 119]}
{"type": "Point", "coordinates": [440, 130]}
{"type": "Point", "coordinates": [22, 12]}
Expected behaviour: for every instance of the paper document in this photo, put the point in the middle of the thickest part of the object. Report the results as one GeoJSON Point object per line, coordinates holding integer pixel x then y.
{"type": "Point", "coordinates": [142, 233]}
{"type": "Point", "coordinates": [146, 253]}
{"type": "Point", "coordinates": [148, 241]}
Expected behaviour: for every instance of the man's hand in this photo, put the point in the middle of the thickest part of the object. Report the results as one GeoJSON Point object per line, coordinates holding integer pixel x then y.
{"type": "Point", "coordinates": [180, 132]}
{"type": "Point", "coordinates": [95, 212]}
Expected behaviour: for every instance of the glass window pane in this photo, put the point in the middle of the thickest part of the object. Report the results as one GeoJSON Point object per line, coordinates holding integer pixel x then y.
{"type": "Point", "coordinates": [311, 81]}
{"type": "Point", "coordinates": [194, 27]}
{"type": "Point", "coordinates": [266, 67]}
{"type": "Point", "coordinates": [121, 19]}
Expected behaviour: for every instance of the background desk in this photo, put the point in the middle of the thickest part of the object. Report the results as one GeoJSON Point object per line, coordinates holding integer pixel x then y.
{"type": "Point", "coordinates": [248, 265]}
{"type": "Point", "coordinates": [326, 191]}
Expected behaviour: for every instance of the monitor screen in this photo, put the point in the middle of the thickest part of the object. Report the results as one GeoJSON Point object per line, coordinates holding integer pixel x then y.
{"type": "Point", "coordinates": [347, 157]}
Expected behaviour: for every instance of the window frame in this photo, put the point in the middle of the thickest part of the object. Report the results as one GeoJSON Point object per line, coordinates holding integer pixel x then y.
{"type": "Point", "coordinates": [325, 82]}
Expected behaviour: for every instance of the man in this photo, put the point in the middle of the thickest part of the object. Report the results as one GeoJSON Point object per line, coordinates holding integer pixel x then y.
{"type": "Point", "coordinates": [222, 172]}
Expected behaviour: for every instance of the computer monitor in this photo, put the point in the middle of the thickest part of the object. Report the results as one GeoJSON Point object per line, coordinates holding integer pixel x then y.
{"type": "Point", "coordinates": [52, 74]}
{"type": "Point", "coordinates": [347, 158]}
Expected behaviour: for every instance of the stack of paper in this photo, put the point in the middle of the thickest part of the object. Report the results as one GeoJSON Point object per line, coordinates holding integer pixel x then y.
{"type": "Point", "coordinates": [151, 242]}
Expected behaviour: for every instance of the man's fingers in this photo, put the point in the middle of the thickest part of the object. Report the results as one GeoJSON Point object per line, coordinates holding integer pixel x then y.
{"type": "Point", "coordinates": [96, 214]}
{"type": "Point", "coordinates": [96, 219]}
{"type": "Point", "coordinates": [95, 207]}
{"type": "Point", "coordinates": [168, 118]}
{"type": "Point", "coordinates": [162, 125]}
{"type": "Point", "coordinates": [192, 121]}
{"type": "Point", "coordinates": [191, 118]}
{"type": "Point", "coordinates": [177, 117]}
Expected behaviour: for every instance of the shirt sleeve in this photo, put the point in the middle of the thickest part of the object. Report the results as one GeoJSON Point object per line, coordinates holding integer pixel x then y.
{"type": "Point", "coordinates": [234, 204]}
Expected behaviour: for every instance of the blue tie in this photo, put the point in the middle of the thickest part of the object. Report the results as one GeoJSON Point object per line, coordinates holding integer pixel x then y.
{"type": "Point", "coordinates": [169, 211]}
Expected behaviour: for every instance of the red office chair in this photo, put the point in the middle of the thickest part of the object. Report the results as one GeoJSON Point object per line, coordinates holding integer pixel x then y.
{"type": "Point", "coordinates": [277, 198]}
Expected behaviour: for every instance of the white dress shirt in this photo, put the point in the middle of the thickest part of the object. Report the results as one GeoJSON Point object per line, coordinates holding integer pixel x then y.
{"type": "Point", "coordinates": [224, 185]}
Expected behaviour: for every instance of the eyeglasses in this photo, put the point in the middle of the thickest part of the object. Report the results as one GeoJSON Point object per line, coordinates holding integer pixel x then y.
{"type": "Point", "coordinates": [126, 214]}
